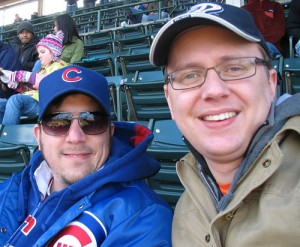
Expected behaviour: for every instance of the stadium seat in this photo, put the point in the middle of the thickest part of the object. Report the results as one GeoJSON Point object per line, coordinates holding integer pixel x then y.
{"type": "Point", "coordinates": [291, 72]}
{"type": "Point", "coordinates": [100, 43]}
{"type": "Point", "coordinates": [21, 134]}
{"type": "Point", "coordinates": [104, 65]}
{"type": "Point", "coordinates": [167, 148]}
{"type": "Point", "coordinates": [13, 158]}
{"type": "Point", "coordinates": [133, 36]}
{"type": "Point", "coordinates": [145, 96]}
{"type": "Point", "coordinates": [17, 144]}
{"type": "Point", "coordinates": [278, 66]}
{"type": "Point", "coordinates": [130, 63]}
{"type": "Point", "coordinates": [113, 99]}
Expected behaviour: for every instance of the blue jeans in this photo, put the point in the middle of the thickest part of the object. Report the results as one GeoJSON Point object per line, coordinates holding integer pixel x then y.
{"type": "Point", "coordinates": [16, 106]}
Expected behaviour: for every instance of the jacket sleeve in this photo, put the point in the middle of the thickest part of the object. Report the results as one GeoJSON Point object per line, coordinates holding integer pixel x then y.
{"type": "Point", "coordinates": [149, 227]}
{"type": "Point", "coordinates": [78, 53]}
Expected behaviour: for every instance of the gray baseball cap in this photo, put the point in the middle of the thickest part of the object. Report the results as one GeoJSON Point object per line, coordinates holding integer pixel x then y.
{"type": "Point", "coordinates": [235, 19]}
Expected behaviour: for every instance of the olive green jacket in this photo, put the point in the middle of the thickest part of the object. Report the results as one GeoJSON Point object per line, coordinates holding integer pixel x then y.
{"type": "Point", "coordinates": [264, 210]}
{"type": "Point", "coordinates": [73, 52]}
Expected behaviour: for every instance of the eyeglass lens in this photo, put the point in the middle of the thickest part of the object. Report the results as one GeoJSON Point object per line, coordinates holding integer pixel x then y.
{"type": "Point", "coordinates": [91, 123]}
{"type": "Point", "coordinates": [231, 69]}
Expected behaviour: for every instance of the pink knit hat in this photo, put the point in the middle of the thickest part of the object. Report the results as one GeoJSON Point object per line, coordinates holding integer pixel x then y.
{"type": "Point", "coordinates": [53, 42]}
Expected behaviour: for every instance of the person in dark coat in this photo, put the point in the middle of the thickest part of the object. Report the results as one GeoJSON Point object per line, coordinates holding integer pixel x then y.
{"type": "Point", "coordinates": [293, 20]}
{"type": "Point", "coordinates": [9, 61]}
{"type": "Point", "coordinates": [25, 45]}
{"type": "Point", "coordinates": [89, 3]}
{"type": "Point", "coordinates": [293, 25]}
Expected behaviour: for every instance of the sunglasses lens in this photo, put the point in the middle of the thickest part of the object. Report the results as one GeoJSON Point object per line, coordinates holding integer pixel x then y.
{"type": "Point", "coordinates": [56, 124]}
{"type": "Point", "coordinates": [91, 123]}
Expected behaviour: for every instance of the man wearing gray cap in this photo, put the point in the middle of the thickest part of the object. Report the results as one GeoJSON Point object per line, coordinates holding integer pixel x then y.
{"type": "Point", "coordinates": [24, 45]}
{"type": "Point", "coordinates": [241, 178]}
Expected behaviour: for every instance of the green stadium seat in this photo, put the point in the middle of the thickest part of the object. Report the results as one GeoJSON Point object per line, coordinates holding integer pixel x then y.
{"type": "Point", "coordinates": [130, 63]}
{"type": "Point", "coordinates": [104, 65]}
{"type": "Point", "coordinates": [278, 66]}
{"type": "Point", "coordinates": [145, 96]}
{"type": "Point", "coordinates": [13, 158]}
{"type": "Point", "coordinates": [291, 72]}
{"type": "Point", "coordinates": [167, 148]}
{"type": "Point", "coordinates": [21, 134]}
{"type": "Point", "coordinates": [14, 152]}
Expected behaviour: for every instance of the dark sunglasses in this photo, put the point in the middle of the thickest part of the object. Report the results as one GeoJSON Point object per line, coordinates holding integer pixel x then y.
{"type": "Point", "coordinates": [91, 123]}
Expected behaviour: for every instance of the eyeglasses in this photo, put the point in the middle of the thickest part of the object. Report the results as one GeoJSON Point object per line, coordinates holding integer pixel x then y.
{"type": "Point", "coordinates": [230, 70]}
{"type": "Point", "coordinates": [91, 123]}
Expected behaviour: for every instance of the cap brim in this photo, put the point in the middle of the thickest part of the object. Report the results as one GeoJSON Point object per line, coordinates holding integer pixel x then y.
{"type": "Point", "coordinates": [164, 38]}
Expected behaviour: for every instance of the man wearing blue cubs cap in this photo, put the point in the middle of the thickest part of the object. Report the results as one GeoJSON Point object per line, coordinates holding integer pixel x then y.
{"type": "Point", "coordinates": [84, 186]}
{"type": "Point", "coordinates": [241, 178]}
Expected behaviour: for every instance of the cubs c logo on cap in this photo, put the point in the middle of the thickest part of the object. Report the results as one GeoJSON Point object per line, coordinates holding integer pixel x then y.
{"type": "Point", "coordinates": [72, 75]}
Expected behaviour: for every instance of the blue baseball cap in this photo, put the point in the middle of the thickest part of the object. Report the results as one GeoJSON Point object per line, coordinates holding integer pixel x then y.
{"type": "Point", "coordinates": [235, 19]}
{"type": "Point", "coordinates": [73, 79]}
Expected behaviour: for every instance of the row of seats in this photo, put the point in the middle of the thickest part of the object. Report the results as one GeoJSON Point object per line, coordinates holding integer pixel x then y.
{"type": "Point", "coordinates": [96, 19]}
{"type": "Point", "coordinates": [120, 51]}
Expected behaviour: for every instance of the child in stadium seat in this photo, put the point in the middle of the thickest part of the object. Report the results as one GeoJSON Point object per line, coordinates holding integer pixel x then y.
{"type": "Point", "coordinates": [27, 83]}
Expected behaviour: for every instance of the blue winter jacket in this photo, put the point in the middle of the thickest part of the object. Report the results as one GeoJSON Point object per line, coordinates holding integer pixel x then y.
{"type": "Point", "coordinates": [111, 207]}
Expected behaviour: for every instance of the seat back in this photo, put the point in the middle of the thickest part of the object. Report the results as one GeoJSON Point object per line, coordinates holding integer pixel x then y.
{"type": "Point", "coordinates": [167, 148]}
{"type": "Point", "coordinates": [13, 158]}
{"type": "Point", "coordinates": [115, 98]}
{"type": "Point", "coordinates": [21, 134]}
{"type": "Point", "coordinates": [278, 66]}
{"type": "Point", "coordinates": [99, 43]}
{"type": "Point", "coordinates": [145, 96]}
{"type": "Point", "coordinates": [291, 72]}
{"type": "Point", "coordinates": [130, 63]}
{"type": "Point", "coordinates": [104, 65]}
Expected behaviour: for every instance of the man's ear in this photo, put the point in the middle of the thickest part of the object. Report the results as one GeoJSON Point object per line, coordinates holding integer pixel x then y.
{"type": "Point", "coordinates": [273, 82]}
{"type": "Point", "coordinates": [36, 131]}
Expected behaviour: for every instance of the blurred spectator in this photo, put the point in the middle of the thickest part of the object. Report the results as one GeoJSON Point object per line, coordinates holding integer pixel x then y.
{"type": "Point", "coordinates": [152, 15]}
{"type": "Point", "coordinates": [293, 20]}
{"type": "Point", "coordinates": [135, 14]}
{"type": "Point", "coordinates": [293, 24]}
{"type": "Point", "coordinates": [270, 20]}
{"type": "Point", "coordinates": [24, 45]}
{"type": "Point", "coordinates": [71, 5]}
{"type": "Point", "coordinates": [89, 3]}
{"type": "Point", "coordinates": [10, 61]}
{"type": "Point", "coordinates": [34, 16]}
{"type": "Point", "coordinates": [18, 19]}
